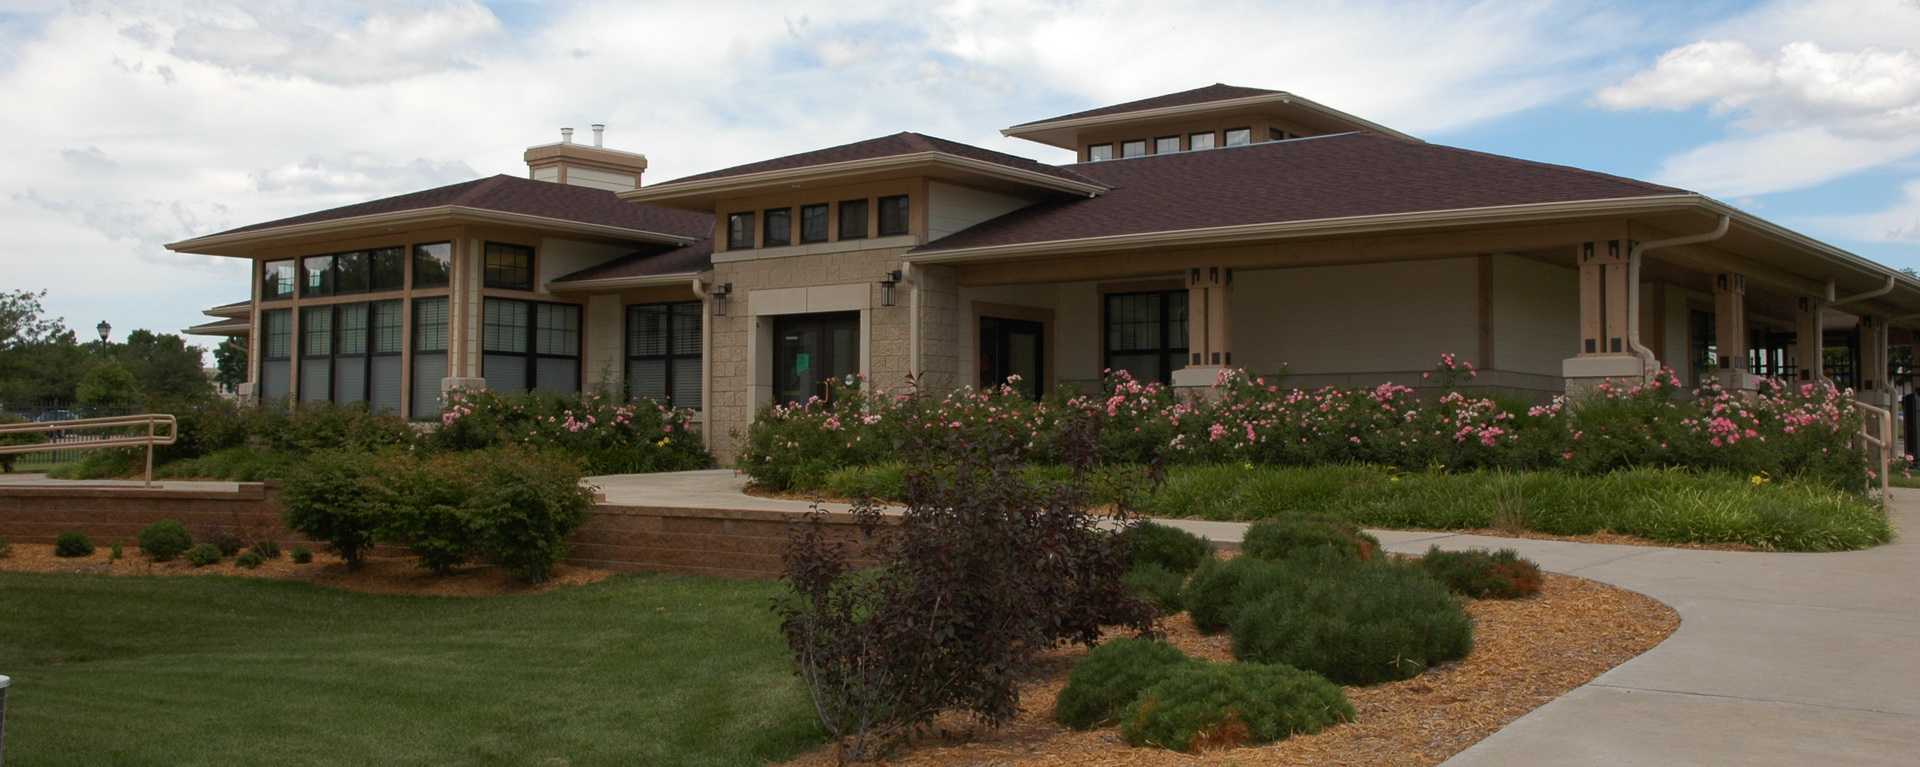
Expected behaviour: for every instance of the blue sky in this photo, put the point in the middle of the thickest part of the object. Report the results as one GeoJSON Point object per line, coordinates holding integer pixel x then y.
{"type": "Point", "coordinates": [132, 124]}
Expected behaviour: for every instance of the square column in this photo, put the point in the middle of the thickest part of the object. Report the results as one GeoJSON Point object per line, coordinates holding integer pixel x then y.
{"type": "Point", "coordinates": [1604, 352]}
{"type": "Point", "coordinates": [1809, 354]}
{"type": "Point", "coordinates": [1209, 327]}
{"type": "Point", "coordinates": [1876, 383]}
{"type": "Point", "coordinates": [1730, 331]}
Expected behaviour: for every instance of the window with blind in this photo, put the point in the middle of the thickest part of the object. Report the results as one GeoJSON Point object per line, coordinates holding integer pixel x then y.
{"type": "Point", "coordinates": [276, 353]}
{"type": "Point", "coordinates": [663, 353]}
{"type": "Point", "coordinates": [430, 329]}
{"type": "Point", "coordinates": [1146, 333]}
{"type": "Point", "coordinates": [530, 345]}
{"type": "Point", "coordinates": [351, 353]}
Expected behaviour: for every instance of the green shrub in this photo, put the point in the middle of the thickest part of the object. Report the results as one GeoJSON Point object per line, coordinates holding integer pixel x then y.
{"type": "Point", "coordinates": [113, 554]}
{"type": "Point", "coordinates": [1217, 705]}
{"type": "Point", "coordinates": [1477, 574]}
{"type": "Point", "coordinates": [882, 481]}
{"type": "Point", "coordinates": [6, 547]}
{"type": "Point", "coordinates": [228, 543]}
{"type": "Point", "coordinates": [1220, 588]}
{"type": "Point", "coordinates": [72, 543]}
{"type": "Point", "coordinates": [1359, 624]}
{"type": "Point", "coordinates": [203, 555]}
{"type": "Point", "coordinates": [267, 548]}
{"type": "Point", "coordinates": [249, 559]}
{"type": "Point", "coordinates": [335, 497]}
{"type": "Point", "coordinates": [1280, 538]}
{"type": "Point", "coordinates": [1112, 676]}
{"type": "Point", "coordinates": [1167, 546]}
{"type": "Point", "coordinates": [1156, 584]}
{"type": "Point", "coordinates": [525, 508]}
{"type": "Point", "coordinates": [165, 539]}
{"type": "Point", "coordinates": [302, 555]}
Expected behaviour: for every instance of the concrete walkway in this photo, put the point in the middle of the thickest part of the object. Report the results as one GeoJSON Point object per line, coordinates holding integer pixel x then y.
{"type": "Point", "coordinates": [1781, 659]}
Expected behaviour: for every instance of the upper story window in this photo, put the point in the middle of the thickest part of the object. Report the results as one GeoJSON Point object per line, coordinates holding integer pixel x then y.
{"type": "Point", "coordinates": [853, 219]}
{"type": "Point", "coordinates": [779, 227]}
{"type": "Point", "coordinates": [277, 280]}
{"type": "Point", "coordinates": [316, 276]}
{"type": "Point", "coordinates": [509, 266]}
{"type": "Point", "coordinates": [813, 223]}
{"type": "Point", "coordinates": [1239, 136]}
{"type": "Point", "coordinates": [432, 263]}
{"type": "Point", "coordinates": [1166, 145]}
{"type": "Point", "coordinates": [1135, 148]}
{"type": "Point", "coordinates": [1200, 140]}
{"type": "Point", "coordinates": [740, 231]}
{"type": "Point", "coordinates": [1098, 152]}
{"type": "Point", "coordinates": [893, 215]}
{"type": "Point", "coordinates": [1275, 134]}
{"type": "Point", "coordinates": [386, 269]}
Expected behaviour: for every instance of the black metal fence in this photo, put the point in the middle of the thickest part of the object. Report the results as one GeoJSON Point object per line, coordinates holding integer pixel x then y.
{"type": "Point", "coordinates": [51, 412]}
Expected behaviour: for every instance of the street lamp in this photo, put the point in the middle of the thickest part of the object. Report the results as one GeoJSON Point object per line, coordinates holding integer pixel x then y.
{"type": "Point", "coordinates": [104, 329]}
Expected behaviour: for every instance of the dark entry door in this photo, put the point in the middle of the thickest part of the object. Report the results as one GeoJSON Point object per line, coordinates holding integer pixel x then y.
{"type": "Point", "coordinates": [810, 350]}
{"type": "Point", "coordinates": [1013, 348]}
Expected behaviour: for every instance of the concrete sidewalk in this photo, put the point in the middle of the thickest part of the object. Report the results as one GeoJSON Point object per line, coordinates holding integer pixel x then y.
{"type": "Point", "coordinates": [1781, 659]}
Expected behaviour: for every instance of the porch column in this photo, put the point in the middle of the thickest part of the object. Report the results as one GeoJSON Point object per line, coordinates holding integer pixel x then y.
{"type": "Point", "coordinates": [1209, 327]}
{"type": "Point", "coordinates": [1604, 308]}
{"type": "Point", "coordinates": [1808, 352]}
{"type": "Point", "coordinates": [464, 272]}
{"type": "Point", "coordinates": [1730, 330]}
{"type": "Point", "coordinates": [1876, 385]}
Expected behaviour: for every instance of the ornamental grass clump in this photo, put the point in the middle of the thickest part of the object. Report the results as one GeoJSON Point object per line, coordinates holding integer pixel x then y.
{"type": "Point", "coordinates": [1477, 574]}
{"type": "Point", "coordinates": [1355, 624]}
{"type": "Point", "coordinates": [1112, 676]}
{"type": "Point", "coordinates": [1201, 706]}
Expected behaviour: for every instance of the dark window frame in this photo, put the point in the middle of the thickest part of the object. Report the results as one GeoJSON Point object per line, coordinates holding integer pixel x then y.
{"type": "Point", "coordinates": [779, 228]}
{"type": "Point", "coordinates": [742, 230]}
{"type": "Point", "coordinates": [905, 214]}
{"type": "Point", "coordinates": [865, 218]}
{"type": "Point", "coordinates": [489, 270]}
{"type": "Point", "coordinates": [421, 253]}
{"type": "Point", "coordinates": [1159, 143]}
{"type": "Point", "coordinates": [307, 275]}
{"type": "Point", "coordinates": [1093, 152]}
{"type": "Point", "coordinates": [1172, 356]}
{"type": "Point", "coordinates": [674, 313]}
{"type": "Point", "coordinates": [813, 222]}
{"type": "Point", "coordinates": [1136, 142]}
{"type": "Point", "coordinates": [533, 338]}
{"type": "Point", "coordinates": [1193, 143]}
{"type": "Point", "coordinates": [285, 285]}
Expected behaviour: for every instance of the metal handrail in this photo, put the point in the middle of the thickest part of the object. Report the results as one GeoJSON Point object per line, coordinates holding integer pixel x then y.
{"type": "Point", "coordinates": [152, 422]}
{"type": "Point", "coordinates": [1882, 449]}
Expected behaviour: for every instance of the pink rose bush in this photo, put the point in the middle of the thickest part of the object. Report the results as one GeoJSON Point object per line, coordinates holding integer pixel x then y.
{"type": "Point", "coordinates": [612, 435]}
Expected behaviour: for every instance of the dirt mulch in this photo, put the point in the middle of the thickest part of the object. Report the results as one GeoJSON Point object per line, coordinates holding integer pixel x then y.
{"type": "Point", "coordinates": [380, 575]}
{"type": "Point", "coordinates": [1526, 652]}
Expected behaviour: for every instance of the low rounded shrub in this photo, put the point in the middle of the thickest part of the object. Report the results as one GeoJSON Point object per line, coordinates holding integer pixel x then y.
{"type": "Point", "coordinates": [1477, 574]}
{"type": "Point", "coordinates": [1169, 547]}
{"type": "Point", "coordinates": [1225, 705]}
{"type": "Point", "coordinates": [1360, 625]}
{"type": "Point", "coordinates": [267, 548]}
{"type": "Point", "coordinates": [302, 555]}
{"type": "Point", "coordinates": [334, 496]}
{"type": "Point", "coordinates": [1156, 584]}
{"type": "Point", "coordinates": [1112, 676]}
{"type": "Point", "coordinates": [165, 539]}
{"type": "Point", "coordinates": [1278, 539]}
{"type": "Point", "coordinates": [1221, 588]}
{"type": "Point", "coordinates": [203, 555]}
{"type": "Point", "coordinates": [249, 559]}
{"type": "Point", "coordinates": [72, 543]}
{"type": "Point", "coordinates": [228, 543]}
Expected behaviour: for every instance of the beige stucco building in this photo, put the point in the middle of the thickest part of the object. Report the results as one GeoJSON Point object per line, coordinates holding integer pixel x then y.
{"type": "Point", "coordinates": [1223, 227]}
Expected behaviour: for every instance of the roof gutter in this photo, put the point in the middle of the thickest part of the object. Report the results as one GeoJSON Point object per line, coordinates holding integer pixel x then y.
{"type": "Point", "coordinates": [662, 193]}
{"type": "Point", "coordinates": [622, 283]}
{"type": "Point", "coordinates": [434, 215]}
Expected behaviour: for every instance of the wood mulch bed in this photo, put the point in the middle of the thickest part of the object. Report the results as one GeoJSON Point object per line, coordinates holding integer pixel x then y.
{"type": "Point", "coordinates": [1526, 653]}
{"type": "Point", "coordinates": [380, 575]}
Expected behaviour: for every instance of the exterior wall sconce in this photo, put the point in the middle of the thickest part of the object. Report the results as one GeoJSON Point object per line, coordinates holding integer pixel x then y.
{"type": "Point", "coordinates": [887, 285]}
{"type": "Point", "coordinates": [719, 295]}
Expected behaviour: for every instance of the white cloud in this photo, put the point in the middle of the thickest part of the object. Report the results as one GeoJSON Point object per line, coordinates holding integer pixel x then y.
{"type": "Point", "coordinates": [1899, 222]}
{"type": "Point", "coordinates": [1780, 161]}
{"type": "Point", "coordinates": [390, 42]}
{"type": "Point", "coordinates": [359, 174]}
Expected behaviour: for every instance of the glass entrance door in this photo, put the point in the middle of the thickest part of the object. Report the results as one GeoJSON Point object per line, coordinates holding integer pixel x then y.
{"type": "Point", "coordinates": [1011, 348]}
{"type": "Point", "coordinates": [811, 350]}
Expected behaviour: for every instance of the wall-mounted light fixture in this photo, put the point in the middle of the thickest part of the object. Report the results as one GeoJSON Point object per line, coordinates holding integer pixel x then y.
{"type": "Point", "coordinates": [891, 281]}
{"type": "Point", "coordinates": [719, 295]}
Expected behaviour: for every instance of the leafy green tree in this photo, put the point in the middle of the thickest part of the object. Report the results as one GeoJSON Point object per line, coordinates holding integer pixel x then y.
{"type": "Point", "coordinates": [108, 383]}
{"type": "Point", "coordinates": [164, 366]}
{"type": "Point", "coordinates": [40, 360]}
{"type": "Point", "coordinates": [21, 322]}
{"type": "Point", "coordinates": [230, 362]}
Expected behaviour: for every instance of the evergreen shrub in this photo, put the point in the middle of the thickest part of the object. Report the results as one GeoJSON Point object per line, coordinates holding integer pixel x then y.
{"type": "Point", "coordinates": [1155, 583]}
{"type": "Point", "coordinates": [302, 555]}
{"type": "Point", "coordinates": [1111, 676]}
{"type": "Point", "coordinates": [1476, 574]}
{"type": "Point", "coordinates": [249, 559]}
{"type": "Point", "coordinates": [165, 539]}
{"type": "Point", "coordinates": [203, 555]}
{"type": "Point", "coordinates": [1167, 546]}
{"type": "Point", "coordinates": [72, 543]}
{"type": "Point", "coordinates": [1226, 705]}
{"type": "Point", "coordinates": [1360, 624]}
{"type": "Point", "coordinates": [1279, 538]}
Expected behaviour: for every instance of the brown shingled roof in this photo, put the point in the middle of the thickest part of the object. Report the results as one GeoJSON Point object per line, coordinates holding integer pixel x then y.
{"type": "Point", "coordinates": [1214, 92]}
{"type": "Point", "coordinates": [512, 194]}
{"type": "Point", "coordinates": [904, 143]}
{"type": "Point", "coordinates": [686, 259]}
{"type": "Point", "coordinates": [1327, 177]}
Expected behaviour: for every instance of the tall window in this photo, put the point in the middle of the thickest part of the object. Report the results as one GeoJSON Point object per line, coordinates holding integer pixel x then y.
{"type": "Point", "coordinates": [663, 352]}
{"type": "Point", "coordinates": [1239, 136]}
{"type": "Point", "coordinates": [530, 345]}
{"type": "Point", "coordinates": [813, 223]}
{"type": "Point", "coordinates": [853, 219]}
{"type": "Point", "coordinates": [509, 266]}
{"type": "Point", "coordinates": [1135, 148]}
{"type": "Point", "coordinates": [1098, 152]}
{"type": "Point", "coordinates": [430, 320]}
{"type": "Point", "coordinates": [1147, 333]}
{"type": "Point", "coordinates": [351, 353]}
{"type": "Point", "coordinates": [1200, 140]}
{"type": "Point", "coordinates": [432, 263]}
{"type": "Point", "coordinates": [779, 227]}
{"type": "Point", "coordinates": [316, 353]}
{"type": "Point", "coordinates": [1166, 145]}
{"type": "Point", "coordinates": [740, 231]}
{"type": "Point", "coordinates": [317, 278]}
{"type": "Point", "coordinates": [276, 352]}
{"type": "Point", "coordinates": [277, 280]}
{"type": "Point", "coordinates": [893, 215]}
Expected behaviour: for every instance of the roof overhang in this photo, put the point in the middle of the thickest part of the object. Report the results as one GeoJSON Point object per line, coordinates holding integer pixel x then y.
{"type": "Point", "coordinates": [703, 195]}
{"type": "Point", "coordinates": [242, 244]}
{"type": "Point", "coordinates": [623, 283]}
{"type": "Point", "coordinates": [1065, 133]}
{"type": "Point", "coordinates": [239, 326]}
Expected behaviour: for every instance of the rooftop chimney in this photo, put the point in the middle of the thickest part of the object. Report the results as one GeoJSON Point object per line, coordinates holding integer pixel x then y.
{"type": "Point", "coordinates": [595, 166]}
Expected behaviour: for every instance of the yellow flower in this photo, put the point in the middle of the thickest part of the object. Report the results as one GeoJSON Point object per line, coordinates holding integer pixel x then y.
{"type": "Point", "coordinates": [663, 441]}
{"type": "Point", "coordinates": [1761, 478]}
{"type": "Point", "coordinates": [1249, 464]}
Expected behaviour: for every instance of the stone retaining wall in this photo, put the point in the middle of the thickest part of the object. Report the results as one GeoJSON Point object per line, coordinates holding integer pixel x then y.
{"type": "Point", "coordinates": [38, 513]}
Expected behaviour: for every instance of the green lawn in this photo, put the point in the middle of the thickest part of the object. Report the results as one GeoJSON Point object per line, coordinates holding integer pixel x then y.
{"type": "Point", "coordinates": [638, 670]}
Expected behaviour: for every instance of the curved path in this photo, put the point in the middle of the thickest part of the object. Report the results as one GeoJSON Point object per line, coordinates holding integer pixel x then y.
{"type": "Point", "coordinates": [1781, 659]}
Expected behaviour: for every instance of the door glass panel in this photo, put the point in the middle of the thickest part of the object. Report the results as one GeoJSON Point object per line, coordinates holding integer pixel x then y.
{"type": "Point", "coordinates": [810, 350]}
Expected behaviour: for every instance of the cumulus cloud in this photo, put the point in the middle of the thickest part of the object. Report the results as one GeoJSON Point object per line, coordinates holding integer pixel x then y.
{"type": "Point", "coordinates": [90, 158]}
{"type": "Point", "coordinates": [389, 42]}
{"type": "Point", "coordinates": [151, 223]}
{"type": "Point", "coordinates": [359, 174]}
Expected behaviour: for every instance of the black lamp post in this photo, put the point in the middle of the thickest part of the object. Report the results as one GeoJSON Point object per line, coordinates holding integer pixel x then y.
{"type": "Point", "coordinates": [104, 329]}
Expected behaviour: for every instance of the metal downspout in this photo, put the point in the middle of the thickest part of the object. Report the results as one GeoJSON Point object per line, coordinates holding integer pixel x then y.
{"type": "Point", "coordinates": [1633, 286]}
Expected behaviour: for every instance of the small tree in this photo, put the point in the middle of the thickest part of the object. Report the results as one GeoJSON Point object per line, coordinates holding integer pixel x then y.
{"type": "Point", "coordinates": [230, 363]}
{"type": "Point", "coordinates": [108, 383]}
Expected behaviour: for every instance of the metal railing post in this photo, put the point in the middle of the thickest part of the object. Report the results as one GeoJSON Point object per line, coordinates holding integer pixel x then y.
{"type": "Point", "coordinates": [1882, 447]}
